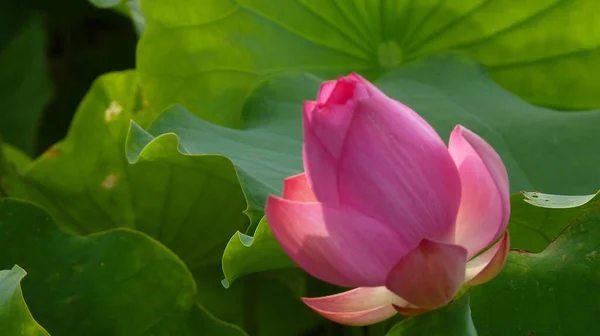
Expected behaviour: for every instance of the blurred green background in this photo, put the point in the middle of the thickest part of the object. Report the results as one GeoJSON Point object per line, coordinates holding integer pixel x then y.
{"type": "Point", "coordinates": [50, 52]}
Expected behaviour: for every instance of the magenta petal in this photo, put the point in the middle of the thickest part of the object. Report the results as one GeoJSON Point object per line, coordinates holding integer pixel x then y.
{"type": "Point", "coordinates": [333, 243]}
{"type": "Point", "coordinates": [319, 164]}
{"type": "Point", "coordinates": [296, 188]}
{"type": "Point", "coordinates": [485, 204]}
{"type": "Point", "coordinates": [357, 307]}
{"type": "Point", "coordinates": [430, 275]}
{"type": "Point", "coordinates": [307, 109]}
{"type": "Point", "coordinates": [338, 92]}
{"type": "Point", "coordinates": [324, 130]}
{"type": "Point", "coordinates": [325, 91]}
{"type": "Point", "coordinates": [342, 92]}
{"type": "Point", "coordinates": [396, 169]}
{"type": "Point", "coordinates": [330, 123]}
{"type": "Point", "coordinates": [487, 265]}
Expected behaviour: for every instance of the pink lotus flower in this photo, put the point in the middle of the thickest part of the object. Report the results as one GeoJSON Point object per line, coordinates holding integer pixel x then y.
{"type": "Point", "coordinates": [386, 207]}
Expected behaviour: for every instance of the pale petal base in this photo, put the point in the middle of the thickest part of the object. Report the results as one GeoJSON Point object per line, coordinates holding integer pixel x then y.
{"type": "Point", "coordinates": [358, 307]}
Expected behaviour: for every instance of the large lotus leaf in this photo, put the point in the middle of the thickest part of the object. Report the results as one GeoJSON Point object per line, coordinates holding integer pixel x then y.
{"type": "Point", "coordinates": [452, 320]}
{"type": "Point", "coordinates": [209, 55]}
{"type": "Point", "coordinates": [25, 86]}
{"type": "Point", "coordinates": [263, 154]}
{"type": "Point", "coordinates": [239, 303]}
{"type": "Point", "coordinates": [81, 179]}
{"type": "Point", "coordinates": [119, 282]}
{"type": "Point", "coordinates": [247, 254]}
{"type": "Point", "coordinates": [14, 157]}
{"type": "Point", "coordinates": [445, 90]}
{"type": "Point", "coordinates": [218, 205]}
{"type": "Point", "coordinates": [537, 219]}
{"type": "Point", "coordinates": [555, 292]}
{"type": "Point", "coordinates": [12, 164]}
{"type": "Point", "coordinates": [86, 182]}
{"type": "Point", "coordinates": [266, 304]}
{"type": "Point", "coordinates": [15, 318]}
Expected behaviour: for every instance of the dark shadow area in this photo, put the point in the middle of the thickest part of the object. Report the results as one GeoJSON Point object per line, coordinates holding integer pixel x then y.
{"type": "Point", "coordinates": [83, 42]}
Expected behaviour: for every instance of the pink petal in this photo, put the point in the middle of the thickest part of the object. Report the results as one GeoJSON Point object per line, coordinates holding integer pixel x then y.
{"type": "Point", "coordinates": [329, 124]}
{"type": "Point", "coordinates": [325, 91]}
{"type": "Point", "coordinates": [333, 243]}
{"type": "Point", "coordinates": [307, 108]}
{"type": "Point", "coordinates": [342, 91]}
{"type": "Point", "coordinates": [296, 188]}
{"type": "Point", "coordinates": [487, 265]}
{"type": "Point", "coordinates": [338, 92]}
{"type": "Point", "coordinates": [396, 169]}
{"type": "Point", "coordinates": [320, 166]}
{"type": "Point", "coordinates": [360, 318]}
{"type": "Point", "coordinates": [357, 307]}
{"type": "Point", "coordinates": [324, 130]}
{"type": "Point", "coordinates": [430, 275]}
{"type": "Point", "coordinates": [485, 204]}
{"type": "Point", "coordinates": [357, 299]}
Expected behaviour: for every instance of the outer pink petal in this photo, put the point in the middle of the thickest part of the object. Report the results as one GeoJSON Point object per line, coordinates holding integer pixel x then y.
{"type": "Point", "coordinates": [357, 307]}
{"type": "Point", "coordinates": [357, 299]}
{"type": "Point", "coordinates": [430, 275]}
{"type": "Point", "coordinates": [398, 170]}
{"type": "Point", "coordinates": [296, 188]}
{"type": "Point", "coordinates": [333, 243]}
{"type": "Point", "coordinates": [360, 318]}
{"type": "Point", "coordinates": [485, 204]}
{"type": "Point", "coordinates": [487, 265]}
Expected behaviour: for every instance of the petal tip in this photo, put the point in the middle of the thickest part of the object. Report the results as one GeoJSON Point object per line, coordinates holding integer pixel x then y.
{"type": "Point", "coordinates": [297, 188]}
{"type": "Point", "coordinates": [430, 275]}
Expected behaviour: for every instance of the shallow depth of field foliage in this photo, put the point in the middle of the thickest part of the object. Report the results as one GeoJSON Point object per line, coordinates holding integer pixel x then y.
{"type": "Point", "coordinates": [141, 138]}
